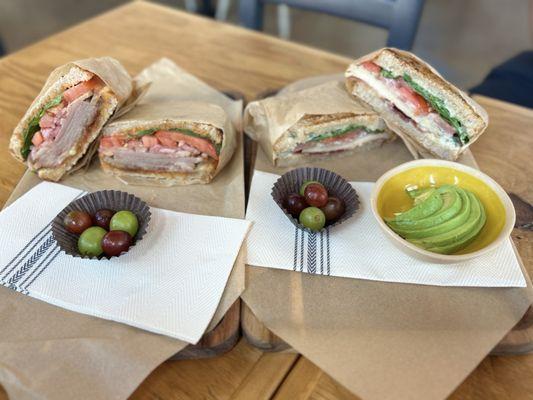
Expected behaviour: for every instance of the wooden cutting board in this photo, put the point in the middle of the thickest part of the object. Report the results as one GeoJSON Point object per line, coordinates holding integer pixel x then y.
{"type": "Point", "coordinates": [510, 171]}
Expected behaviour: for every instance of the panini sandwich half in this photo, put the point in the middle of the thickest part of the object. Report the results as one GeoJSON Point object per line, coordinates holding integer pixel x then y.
{"type": "Point", "coordinates": [66, 117]}
{"type": "Point", "coordinates": [416, 102]}
{"type": "Point", "coordinates": [168, 143]}
{"type": "Point", "coordinates": [314, 124]}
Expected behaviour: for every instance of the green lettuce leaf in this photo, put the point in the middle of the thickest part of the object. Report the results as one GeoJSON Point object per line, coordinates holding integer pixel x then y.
{"type": "Point", "coordinates": [438, 105]}
{"type": "Point", "coordinates": [387, 74]}
{"type": "Point", "coordinates": [33, 126]}
{"type": "Point", "coordinates": [340, 132]}
{"type": "Point", "coordinates": [145, 132]}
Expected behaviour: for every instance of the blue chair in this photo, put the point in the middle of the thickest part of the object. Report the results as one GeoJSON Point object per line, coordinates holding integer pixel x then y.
{"type": "Point", "coordinates": [399, 17]}
{"type": "Point", "coordinates": [510, 81]}
{"type": "Point", "coordinates": [204, 7]}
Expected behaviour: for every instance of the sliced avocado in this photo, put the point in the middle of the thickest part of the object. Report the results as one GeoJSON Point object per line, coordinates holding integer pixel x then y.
{"type": "Point", "coordinates": [415, 192]}
{"type": "Point", "coordinates": [458, 234]}
{"type": "Point", "coordinates": [454, 212]}
{"type": "Point", "coordinates": [451, 205]}
{"type": "Point", "coordinates": [419, 195]}
{"type": "Point", "coordinates": [465, 241]}
{"type": "Point", "coordinates": [422, 210]}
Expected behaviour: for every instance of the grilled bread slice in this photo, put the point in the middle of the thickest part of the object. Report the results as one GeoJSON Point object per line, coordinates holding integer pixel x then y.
{"type": "Point", "coordinates": [416, 102]}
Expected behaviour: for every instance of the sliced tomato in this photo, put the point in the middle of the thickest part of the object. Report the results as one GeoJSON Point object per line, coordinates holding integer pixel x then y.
{"type": "Point", "coordinates": [420, 104]}
{"type": "Point", "coordinates": [167, 141]}
{"type": "Point", "coordinates": [81, 88]}
{"type": "Point", "coordinates": [111, 141]}
{"type": "Point", "coordinates": [203, 145]}
{"type": "Point", "coordinates": [37, 138]}
{"type": "Point", "coordinates": [149, 141]}
{"type": "Point", "coordinates": [344, 137]}
{"type": "Point", "coordinates": [372, 67]}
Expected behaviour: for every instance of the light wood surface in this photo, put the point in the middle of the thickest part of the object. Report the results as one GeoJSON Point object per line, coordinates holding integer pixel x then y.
{"type": "Point", "coordinates": [221, 339]}
{"type": "Point", "coordinates": [230, 58]}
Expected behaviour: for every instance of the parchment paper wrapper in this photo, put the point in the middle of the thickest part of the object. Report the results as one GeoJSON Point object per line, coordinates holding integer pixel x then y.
{"type": "Point", "coordinates": [92, 202]}
{"type": "Point", "coordinates": [51, 353]}
{"type": "Point", "coordinates": [106, 68]}
{"type": "Point", "coordinates": [383, 340]}
{"type": "Point", "coordinates": [170, 82]}
{"type": "Point", "coordinates": [414, 147]}
{"type": "Point", "coordinates": [266, 120]}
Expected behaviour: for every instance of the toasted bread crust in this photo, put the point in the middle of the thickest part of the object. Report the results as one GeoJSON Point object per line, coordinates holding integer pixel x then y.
{"type": "Point", "coordinates": [473, 117]}
{"type": "Point", "coordinates": [162, 178]}
{"type": "Point", "coordinates": [206, 130]}
{"type": "Point", "coordinates": [314, 120]}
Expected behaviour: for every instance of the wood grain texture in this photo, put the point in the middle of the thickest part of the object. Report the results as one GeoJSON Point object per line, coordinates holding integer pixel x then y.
{"type": "Point", "coordinates": [219, 340]}
{"type": "Point", "coordinates": [505, 153]}
{"type": "Point", "coordinates": [257, 333]}
{"type": "Point", "coordinates": [231, 58]}
{"type": "Point", "coordinates": [266, 376]}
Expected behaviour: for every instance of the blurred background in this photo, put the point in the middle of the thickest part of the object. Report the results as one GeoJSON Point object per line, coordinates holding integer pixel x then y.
{"type": "Point", "coordinates": [463, 39]}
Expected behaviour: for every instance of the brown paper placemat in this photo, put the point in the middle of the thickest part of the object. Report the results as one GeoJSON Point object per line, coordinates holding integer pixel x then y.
{"type": "Point", "coordinates": [51, 353]}
{"type": "Point", "coordinates": [383, 340]}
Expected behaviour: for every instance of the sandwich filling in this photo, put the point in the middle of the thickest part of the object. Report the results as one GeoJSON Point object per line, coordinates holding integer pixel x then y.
{"type": "Point", "coordinates": [339, 139]}
{"type": "Point", "coordinates": [54, 133]}
{"type": "Point", "coordinates": [414, 103]}
{"type": "Point", "coordinates": [157, 150]}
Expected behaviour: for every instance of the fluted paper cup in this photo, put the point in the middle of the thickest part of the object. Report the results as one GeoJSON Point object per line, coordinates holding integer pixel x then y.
{"type": "Point", "coordinates": [105, 199]}
{"type": "Point", "coordinates": [335, 184]}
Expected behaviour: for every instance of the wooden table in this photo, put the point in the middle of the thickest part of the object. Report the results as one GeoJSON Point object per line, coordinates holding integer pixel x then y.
{"type": "Point", "coordinates": [230, 58]}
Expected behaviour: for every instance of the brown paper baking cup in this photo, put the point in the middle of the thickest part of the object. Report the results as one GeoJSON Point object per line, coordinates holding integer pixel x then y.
{"type": "Point", "coordinates": [105, 199]}
{"type": "Point", "coordinates": [335, 184]}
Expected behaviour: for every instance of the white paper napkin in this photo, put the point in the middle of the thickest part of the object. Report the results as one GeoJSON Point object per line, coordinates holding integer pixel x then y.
{"type": "Point", "coordinates": [169, 283]}
{"type": "Point", "coordinates": [359, 249]}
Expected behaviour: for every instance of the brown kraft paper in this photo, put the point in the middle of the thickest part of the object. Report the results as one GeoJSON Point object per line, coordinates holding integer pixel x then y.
{"type": "Point", "coordinates": [383, 340]}
{"type": "Point", "coordinates": [51, 353]}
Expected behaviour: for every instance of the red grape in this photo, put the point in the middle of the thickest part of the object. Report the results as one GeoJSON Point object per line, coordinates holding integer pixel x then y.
{"type": "Point", "coordinates": [333, 209]}
{"type": "Point", "coordinates": [295, 204]}
{"type": "Point", "coordinates": [316, 195]}
{"type": "Point", "coordinates": [116, 242]}
{"type": "Point", "coordinates": [77, 221]}
{"type": "Point", "coordinates": [103, 217]}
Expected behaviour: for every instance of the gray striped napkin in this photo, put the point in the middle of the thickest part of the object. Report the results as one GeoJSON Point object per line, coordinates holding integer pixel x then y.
{"type": "Point", "coordinates": [169, 283]}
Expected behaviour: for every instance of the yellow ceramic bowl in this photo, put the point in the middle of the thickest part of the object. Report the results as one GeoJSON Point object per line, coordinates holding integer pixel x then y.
{"type": "Point", "coordinates": [389, 197]}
